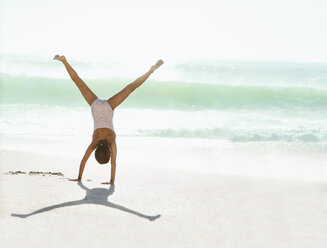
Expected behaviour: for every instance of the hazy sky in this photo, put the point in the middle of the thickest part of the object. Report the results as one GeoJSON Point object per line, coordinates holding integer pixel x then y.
{"type": "Point", "coordinates": [170, 29]}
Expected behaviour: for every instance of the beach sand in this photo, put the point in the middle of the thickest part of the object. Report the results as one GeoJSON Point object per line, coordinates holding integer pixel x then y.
{"type": "Point", "coordinates": [205, 196]}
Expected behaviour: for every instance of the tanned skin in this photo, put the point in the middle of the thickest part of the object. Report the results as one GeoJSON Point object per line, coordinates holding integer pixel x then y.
{"type": "Point", "coordinates": [104, 133]}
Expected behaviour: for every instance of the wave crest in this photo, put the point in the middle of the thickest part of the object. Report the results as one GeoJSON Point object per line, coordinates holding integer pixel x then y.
{"type": "Point", "coordinates": [162, 95]}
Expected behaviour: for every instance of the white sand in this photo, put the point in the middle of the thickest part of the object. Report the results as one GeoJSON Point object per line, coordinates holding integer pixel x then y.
{"type": "Point", "coordinates": [202, 203]}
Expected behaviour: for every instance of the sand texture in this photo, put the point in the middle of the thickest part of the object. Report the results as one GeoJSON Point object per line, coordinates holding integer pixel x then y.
{"type": "Point", "coordinates": [153, 206]}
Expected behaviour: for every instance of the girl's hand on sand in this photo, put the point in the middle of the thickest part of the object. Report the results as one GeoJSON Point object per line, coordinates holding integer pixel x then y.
{"type": "Point", "coordinates": [74, 180]}
{"type": "Point", "coordinates": [60, 58]}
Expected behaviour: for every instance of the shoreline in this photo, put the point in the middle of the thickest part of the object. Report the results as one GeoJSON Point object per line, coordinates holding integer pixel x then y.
{"type": "Point", "coordinates": [288, 161]}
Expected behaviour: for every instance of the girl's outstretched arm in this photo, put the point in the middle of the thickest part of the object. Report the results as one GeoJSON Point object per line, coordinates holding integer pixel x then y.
{"type": "Point", "coordinates": [87, 154]}
{"type": "Point", "coordinates": [113, 148]}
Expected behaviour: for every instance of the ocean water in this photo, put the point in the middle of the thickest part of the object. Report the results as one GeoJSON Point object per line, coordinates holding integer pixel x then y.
{"type": "Point", "coordinates": [235, 101]}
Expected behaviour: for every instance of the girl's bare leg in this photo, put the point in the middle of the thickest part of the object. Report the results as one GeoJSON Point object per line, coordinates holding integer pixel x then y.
{"type": "Point", "coordinates": [117, 99]}
{"type": "Point", "coordinates": [88, 95]}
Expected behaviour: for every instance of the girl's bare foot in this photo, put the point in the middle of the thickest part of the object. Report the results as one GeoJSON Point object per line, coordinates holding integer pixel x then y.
{"type": "Point", "coordinates": [60, 58]}
{"type": "Point", "coordinates": [156, 66]}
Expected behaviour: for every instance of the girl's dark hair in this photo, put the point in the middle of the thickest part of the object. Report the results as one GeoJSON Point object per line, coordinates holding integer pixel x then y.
{"type": "Point", "coordinates": [102, 153]}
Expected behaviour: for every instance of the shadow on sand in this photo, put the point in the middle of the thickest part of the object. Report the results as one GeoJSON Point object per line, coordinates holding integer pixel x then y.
{"type": "Point", "coordinates": [97, 196]}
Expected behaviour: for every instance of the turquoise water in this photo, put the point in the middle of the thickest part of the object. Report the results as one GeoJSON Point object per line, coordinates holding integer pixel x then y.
{"type": "Point", "coordinates": [224, 100]}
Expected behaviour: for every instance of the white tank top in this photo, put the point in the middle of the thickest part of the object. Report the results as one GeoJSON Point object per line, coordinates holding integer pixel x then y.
{"type": "Point", "coordinates": [102, 114]}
